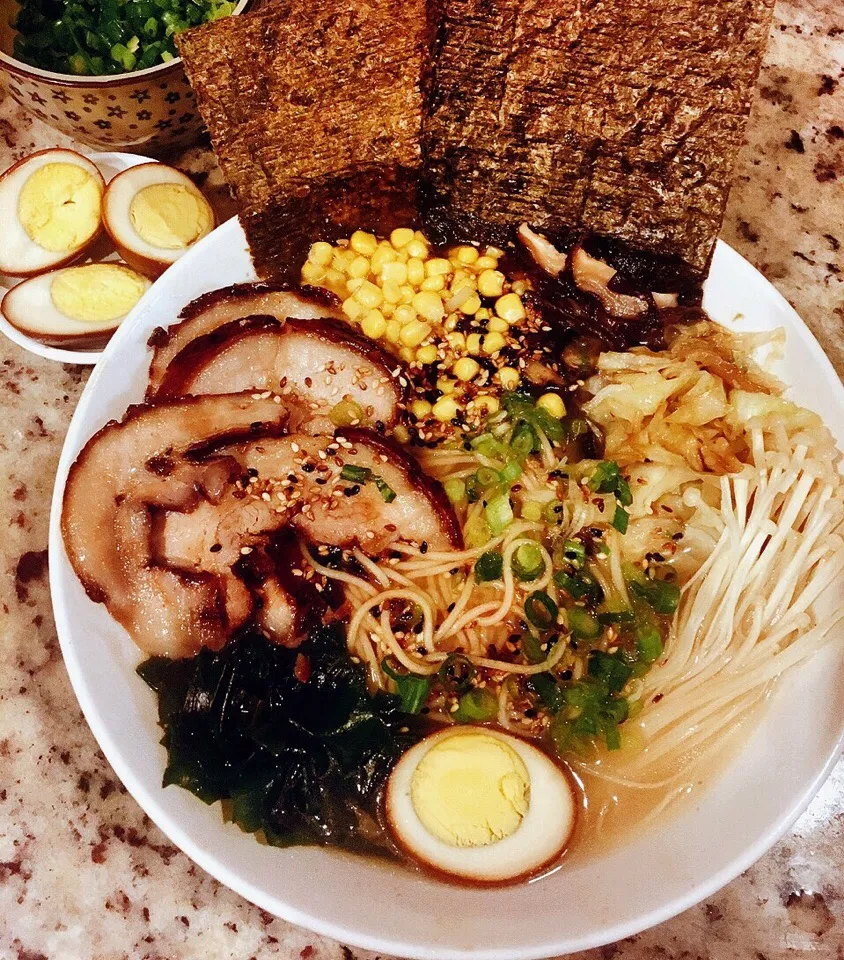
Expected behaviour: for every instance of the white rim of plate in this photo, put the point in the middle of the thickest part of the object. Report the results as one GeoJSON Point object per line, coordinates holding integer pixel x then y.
{"type": "Point", "coordinates": [147, 799]}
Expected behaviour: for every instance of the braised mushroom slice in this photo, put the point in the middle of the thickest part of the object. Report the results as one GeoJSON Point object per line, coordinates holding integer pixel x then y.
{"type": "Point", "coordinates": [328, 374]}
{"type": "Point", "coordinates": [220, 307]}
{"type": "Point", "coordinates": [107, 521]}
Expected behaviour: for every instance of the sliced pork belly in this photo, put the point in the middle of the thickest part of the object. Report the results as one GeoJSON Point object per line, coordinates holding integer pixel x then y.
{"type": "Point", "coordinates": [315, 364]}
{"type": "Point", "coordinates": [219, 307]}
{"type": "Point", "coordinates": [107, 524]}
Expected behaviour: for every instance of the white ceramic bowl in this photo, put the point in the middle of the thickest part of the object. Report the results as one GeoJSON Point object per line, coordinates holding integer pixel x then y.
{"type": "Point", "coordinates": [384, 907]}
{"type": "Point", "coordinates": [109, 165]}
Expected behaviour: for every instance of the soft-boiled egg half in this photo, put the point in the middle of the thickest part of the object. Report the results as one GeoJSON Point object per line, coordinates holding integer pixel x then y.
{"type": "Point", "coordinates": [50, 211]}
{"type": "Point", "coordinates": [76, 306]}
{"type": "Point", "coordinates": [480, 805]}
{"type": "Point", "coordinates": [153, 214]}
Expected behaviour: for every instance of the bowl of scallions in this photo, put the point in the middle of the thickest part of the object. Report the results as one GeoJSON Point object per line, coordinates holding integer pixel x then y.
{"type": "Point", "coordinates": [105, 72]}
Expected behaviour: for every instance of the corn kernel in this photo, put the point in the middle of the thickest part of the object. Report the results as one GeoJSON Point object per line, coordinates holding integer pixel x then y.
{"type": "Point", "coordinates": [493, 342]}
{"type": "Point", "coordinates": [393, 272]}
{"type": "Point", "coordinates": [312, 272]}
{"type": "Point", "coordinates": [401, 433]}
{"type": "Point", "coordinates": [471, 306]}
{"type": "Point", "coordinates": [353, 309]}
{"type": "Point", "coordinates": [519, 287]}
{"type": "Point", "coordinates": [354, 284]}
{"type": "Point", "coordinates": [429, 306]}
{"type": "Point", "coordinates": [508, 377]}
{"type": "Point", "coordinates": [466, 254]}
{"type": "Point", "coordinates": [450, 323]}
{"type": "Point", "coordinates": [369, 295]}
{"type": "Point", "coordinates": [333, 278]}
{"type": "Point", "coordinates": [342, 259]}
{"type": "Point", "coordinates": [445, 409]}
{"type": "Point", "coordinates": [417, 248]}
{"type": "Point", "coordinates": [393, 331]}
{"type": "Point", "coordinates": [388, 309]}
{"type": "Point", "coordinates": [413, 333]}
{"type": "Point", "coordinates": [497, 325]}
{"type": "Point", "coordinates": [363, 243]}
{"type": "Point", "coordinates": [457, 341]}
{"type": "Point", "coordinates": [391, 291]}
{"type": "Point", "coordinates": [510, 308]}
{"type": "Point", "coordinates": [407, 354]}
{"type": "Point", "coordinates": [404, 313]}
{"type": "Point", "coordinates": [420, 236]}
{"type": "Point", "coordinates": [359, 267]}
{"type": "Point", "coordinates": [420, 409]}
{"type": "Point", "coordinates": [381, 257]}
{"type": "Point", "coordinates": [446, 385]}
{"type": "Point", "coordinates": [460, 279]}
{"type": "Point", "coordinates": [482, 314]}
{"type": "Point", "coordinates": [415, 271]}
{"type": "Point", "coordinates": [473, 343]}
{"type": "Point", "coordinates": [466, 368]}
{"type": "Point", "coordinates": [491, 283]}
{"type": "Point", "coordinates": [407, 293]}
{"type": "Point", "coordinates": [401, 256]}
{"type": "Point", "coordinates": [436, 267]}
{"type": "Point", "coordinates": [485, 404]}
{"type": "Point", "coordinates": [553, 403]}
{"type": "Point", "coordinates": [494, 252]}
{"type": "Point", "coordinates": [435, 283]}
{"type": "Point", "coordinates": [321, 253]}
{"type": "Point", "coordinates": [401, 237]}
{"type": "Point", "coordinates": [485, 263]}
{"type": "Point", "coordinates": [374, 325]}
{"type": "Point", "coordinates": [427, 354]}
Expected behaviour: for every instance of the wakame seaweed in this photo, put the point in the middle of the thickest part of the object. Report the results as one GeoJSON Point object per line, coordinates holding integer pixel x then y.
{"type": "Point", "coordinates": [302, 762]}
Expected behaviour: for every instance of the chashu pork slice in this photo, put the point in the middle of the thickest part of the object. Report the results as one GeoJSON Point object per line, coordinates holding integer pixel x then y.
{"type": "Point", "coordinates": [314, 364]}
{"type": "Point", "coordinates": [124, 473]}
{"type": "Point", "coordinates": [212, 310]}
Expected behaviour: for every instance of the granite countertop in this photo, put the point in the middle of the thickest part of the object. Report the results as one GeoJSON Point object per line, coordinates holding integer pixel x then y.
{"type": "Point", "coordinates": [85, 875]}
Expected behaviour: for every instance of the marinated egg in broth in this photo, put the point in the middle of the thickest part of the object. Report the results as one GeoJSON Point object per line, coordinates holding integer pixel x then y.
{"type": "Point", "coordinates": [50, 211]}
{"type": "Point", "coordinates": [154, 214]}
{"type": "Point", "coordinates": [76, 306]}
{"type": "Point", "coordinates": [480, 805]}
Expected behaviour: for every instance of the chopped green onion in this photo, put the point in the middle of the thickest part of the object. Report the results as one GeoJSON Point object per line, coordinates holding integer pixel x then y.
{"type": "Point", "coordinates": [648, 643]}
{"type": "Point", "coordinates": [456, 673]}
{"type": "Point", "coordinates": [579, 587]}
{"type": "Point", "coordinates": [486, 476]}
{"type": "Point", "coordinates": [616, 615]}
{"type": "Point", "coordinates": [489, 566]}
{"type": "Point", "coordinates": [510, 474]}
{"type": "Point", "coordinates": [607, 478]}
{"type": "Point", "coordinates": [455, 490]}
{"type": "Point", "coordinates": [575, 552]}
{"type": "Point", "coordinates": [583, 625]}
{"type": "Point", "coordinates": [531, 650]}
{"type": "Point", "coordinates": [385, 490]}
{"type": "Point", "coordinates": [412, 690]}
{"type": "Point", "coordinates": [660, 594]}
{"type": "Point", "coordinates": [621, 519]}
{"type": "Point", "coordinates": [541, 610]}
{"type": "Point", "coordinates": [547, 690]}
{"type": "Point", "coordinates": [476, 532]}
{"type": "Point", "coordinates": [610, 669]}
{"type": "Point", "coordinates": [476, 706]}
{"type": "Point", "coordinates": [528, 562]}
{"type": "Point", "coordinates": [523, 442]}
{"type": "Point", "coordinates": [499, 513]}
{"type": "Point", "coordinates": [355, 474]}
{"type": "Point", "coordinates": [532, 511]}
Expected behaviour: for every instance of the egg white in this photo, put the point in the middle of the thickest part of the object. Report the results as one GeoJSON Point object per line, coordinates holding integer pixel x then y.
{"type": "Point", "coordinates": [538, 840]}
{"type": "Point", "coordinates": [20, 256]}
{"type": "Point", "coordinates": [121, 191]}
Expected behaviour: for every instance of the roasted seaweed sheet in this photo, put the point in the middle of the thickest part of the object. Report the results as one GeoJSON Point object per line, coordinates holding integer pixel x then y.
{"type": "Point", "coordinates": [623, 118]}
{"type": "Point", "coordinates": [315, 113]}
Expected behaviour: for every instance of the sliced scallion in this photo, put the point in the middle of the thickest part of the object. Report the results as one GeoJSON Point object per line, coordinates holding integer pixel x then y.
{"type": "Point", "coordinates": [528, 563]}
{"type": "Point", "coordinates": [489, 566]}
{"type": "Point", "coordinates": [540, 610]}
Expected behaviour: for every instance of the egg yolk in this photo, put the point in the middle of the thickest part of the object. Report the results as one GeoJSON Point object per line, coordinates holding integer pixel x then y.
{"type": "Point", "coordinates": [97, 292]}
{"type": "Point", "coordinates": [59, 206]}
{"type": "Point", "coordinates": [471, 790]}
{"type": "Point", "coordinates": [170, 216]}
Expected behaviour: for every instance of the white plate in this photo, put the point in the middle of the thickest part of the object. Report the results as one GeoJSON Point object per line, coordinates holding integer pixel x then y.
{"type": "Point", "coordinates": [109, 165]}
{"type": "Point", "coordinates": [383, 907]}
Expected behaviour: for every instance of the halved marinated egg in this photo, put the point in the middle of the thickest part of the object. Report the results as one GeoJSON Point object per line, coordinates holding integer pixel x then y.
{"type": "Point", "coordinates": [50, 211]}
{"type": "Point", "coordinates": [153, 214]}
{"type": "Point", "coordinates": [480, 805]}
{"type": "Point", "coordinates": [76, 306]}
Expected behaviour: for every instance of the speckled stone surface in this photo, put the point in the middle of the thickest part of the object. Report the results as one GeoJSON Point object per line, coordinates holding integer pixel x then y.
{"type": "Point", "coordinates": [85, 876]}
